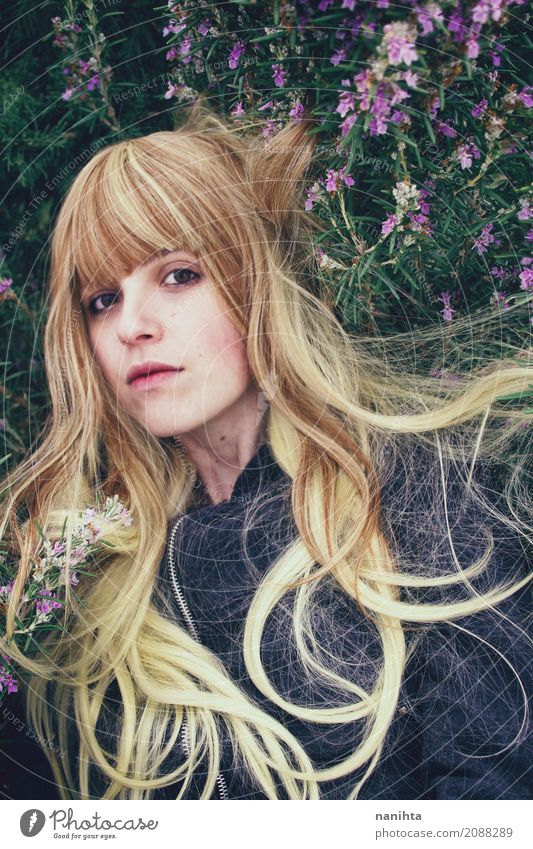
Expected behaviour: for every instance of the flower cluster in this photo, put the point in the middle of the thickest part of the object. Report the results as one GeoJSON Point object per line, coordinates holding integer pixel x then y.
{"type": "Point", "coordinates": [44, 590]}
{"type": "Point", "coordinates": [428, 93]}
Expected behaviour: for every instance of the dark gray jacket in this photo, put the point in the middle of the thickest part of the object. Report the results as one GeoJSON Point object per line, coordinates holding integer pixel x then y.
{"type": "Point", "coordinates": [460, 703]}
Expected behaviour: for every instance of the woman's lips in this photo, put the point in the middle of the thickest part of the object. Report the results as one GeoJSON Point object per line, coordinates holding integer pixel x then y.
{"type": "Point", "coordinates": [147, 381]}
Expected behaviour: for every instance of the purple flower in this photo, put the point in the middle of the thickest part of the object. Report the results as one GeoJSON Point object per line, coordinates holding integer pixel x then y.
{"type": "Point", "coordinates": [238, 109]}
{"type": "Point", "coordinates": [426, 16]}
{"type": "Point", "coordinates": [67, 94]}
{"type": "Point", "coordinates": [331, 180]}
{"type": "Point", "coordinates": [346, 102]}
{"type": "Point", "coordinates": [7, 680]}
{"type": "Point", "coordinates": [278, 75]}
{"type": "Point", "coordinates": [479, 110]}
{"type": "Point", "coordinates": [448, 311]}
{"type": "Point", "coordinates": [203, 27]}
{"type": "Point", "coordinates": [347, 179]}
{"type": "Point", "coordinates": [499, 272]}
{"type": "Point", "coordinates": [312, 198]}
{"type": "Point", "coordinates": [484, 240]}
{"type": "Point", "coordinates": [526, 211]}
{"type": "Point", "coordinates": [235, 55]}
{"type": "Point", "coordinates": [268, 129]}
{"type": "Point", "coordinates": [5, 283]}
{"type": "Point", "coordinates": [465, 152]}
{"type": "Point", "coordinates": [348, 123]}
{"type": "Point", "coordinates": [486, 8]}
{"type": "Point", "coordinates": [399, 40]}
{"type": "Point", "coordinates": [472, 48]}
{"type": "Point", "coordinates": [298, 111]}
{"type": "Point", "coordinates": [174, 27]}
{"type": "Point", "coordinates": [398, 116]}
{"type": "Point", "coordinates": [500, 299]}
{"type": "Point", "coordinates": [389, 224]}
{"type": "Point", "coordinates": [339, 56]}
{"type": "Point", "coordinates": [185, 49]}
{"type": "Point", "coordinates": [334, 178]}
{"type": "Point", "coordinates": [48, 602]}
{"type": "Point", "coordinates": [526, 97]}
{"type": "Point", "coordinates": [446, 130]}
{"type": "Point", "coordinates": [526, 279]}
{"type": "Point", "coordinates": [94, 82]}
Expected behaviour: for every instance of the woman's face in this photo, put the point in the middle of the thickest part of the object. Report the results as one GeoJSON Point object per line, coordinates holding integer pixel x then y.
{"type": "Point", "coordinates": [166, 312]}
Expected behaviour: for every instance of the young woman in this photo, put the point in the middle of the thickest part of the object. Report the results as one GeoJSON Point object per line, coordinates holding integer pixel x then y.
{"type": "Point", "coordinates": [324, 589]}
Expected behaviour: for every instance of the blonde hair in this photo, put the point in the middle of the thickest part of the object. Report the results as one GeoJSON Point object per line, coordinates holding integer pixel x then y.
{"type": "Point", "coordinates": [345, 410]}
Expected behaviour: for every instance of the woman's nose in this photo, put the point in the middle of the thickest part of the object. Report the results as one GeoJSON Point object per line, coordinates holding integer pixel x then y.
{"type": "Point", "coordinates": [138, 316]}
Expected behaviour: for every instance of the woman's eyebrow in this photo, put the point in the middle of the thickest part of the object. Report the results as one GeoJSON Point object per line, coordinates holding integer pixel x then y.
{"type": "Point", "coordinates": [158, 255]}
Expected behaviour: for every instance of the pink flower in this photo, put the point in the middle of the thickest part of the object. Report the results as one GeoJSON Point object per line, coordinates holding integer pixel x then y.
{"type": "Point", "coordinates": [399, 40]}
{"type": "Point", "coordinates": [346, 102]}
{"type": "Point", "coordinates": [5, 283]}
{"type": "Point", "coordinates": [410, 77]}
{"type": "Point", "coordinates": [171, 91]}
{"type": "Point", "coordinates": [389, 224]}
{"type": "Point", "coordinates": [472, 48]}
{"type": "Point", "coordinates": [238, 109]}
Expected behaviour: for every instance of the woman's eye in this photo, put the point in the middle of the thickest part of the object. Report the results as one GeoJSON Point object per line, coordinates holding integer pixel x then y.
{"type": "Point", "coordinates": [181, 271]}
{"type": "Point", "coordinates": [93, 308]}
{"type": "Point", "coordinates": [176, 276]}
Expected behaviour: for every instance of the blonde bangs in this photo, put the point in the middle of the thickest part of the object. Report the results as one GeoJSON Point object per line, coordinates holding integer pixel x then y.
{"type": "Point", "coordinates": [128, 206]}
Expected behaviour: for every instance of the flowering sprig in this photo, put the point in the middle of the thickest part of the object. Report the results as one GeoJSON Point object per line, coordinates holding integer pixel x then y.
{"type": "Point", "coordinates": [87, 80]}
{"type": "Point", "coordinates": [45, 588]}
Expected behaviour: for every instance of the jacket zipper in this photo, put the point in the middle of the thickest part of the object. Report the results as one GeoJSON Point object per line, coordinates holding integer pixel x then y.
{"type": "Point", "coordinates": [186, 613]}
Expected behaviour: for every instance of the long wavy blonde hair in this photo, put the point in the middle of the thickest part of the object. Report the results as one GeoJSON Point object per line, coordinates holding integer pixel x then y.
{"type": "Point", "coordinates": [343, 409]}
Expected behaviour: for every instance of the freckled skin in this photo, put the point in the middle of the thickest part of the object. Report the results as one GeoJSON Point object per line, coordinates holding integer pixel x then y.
{"type": "Point", "coordinates": [211, 406]}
